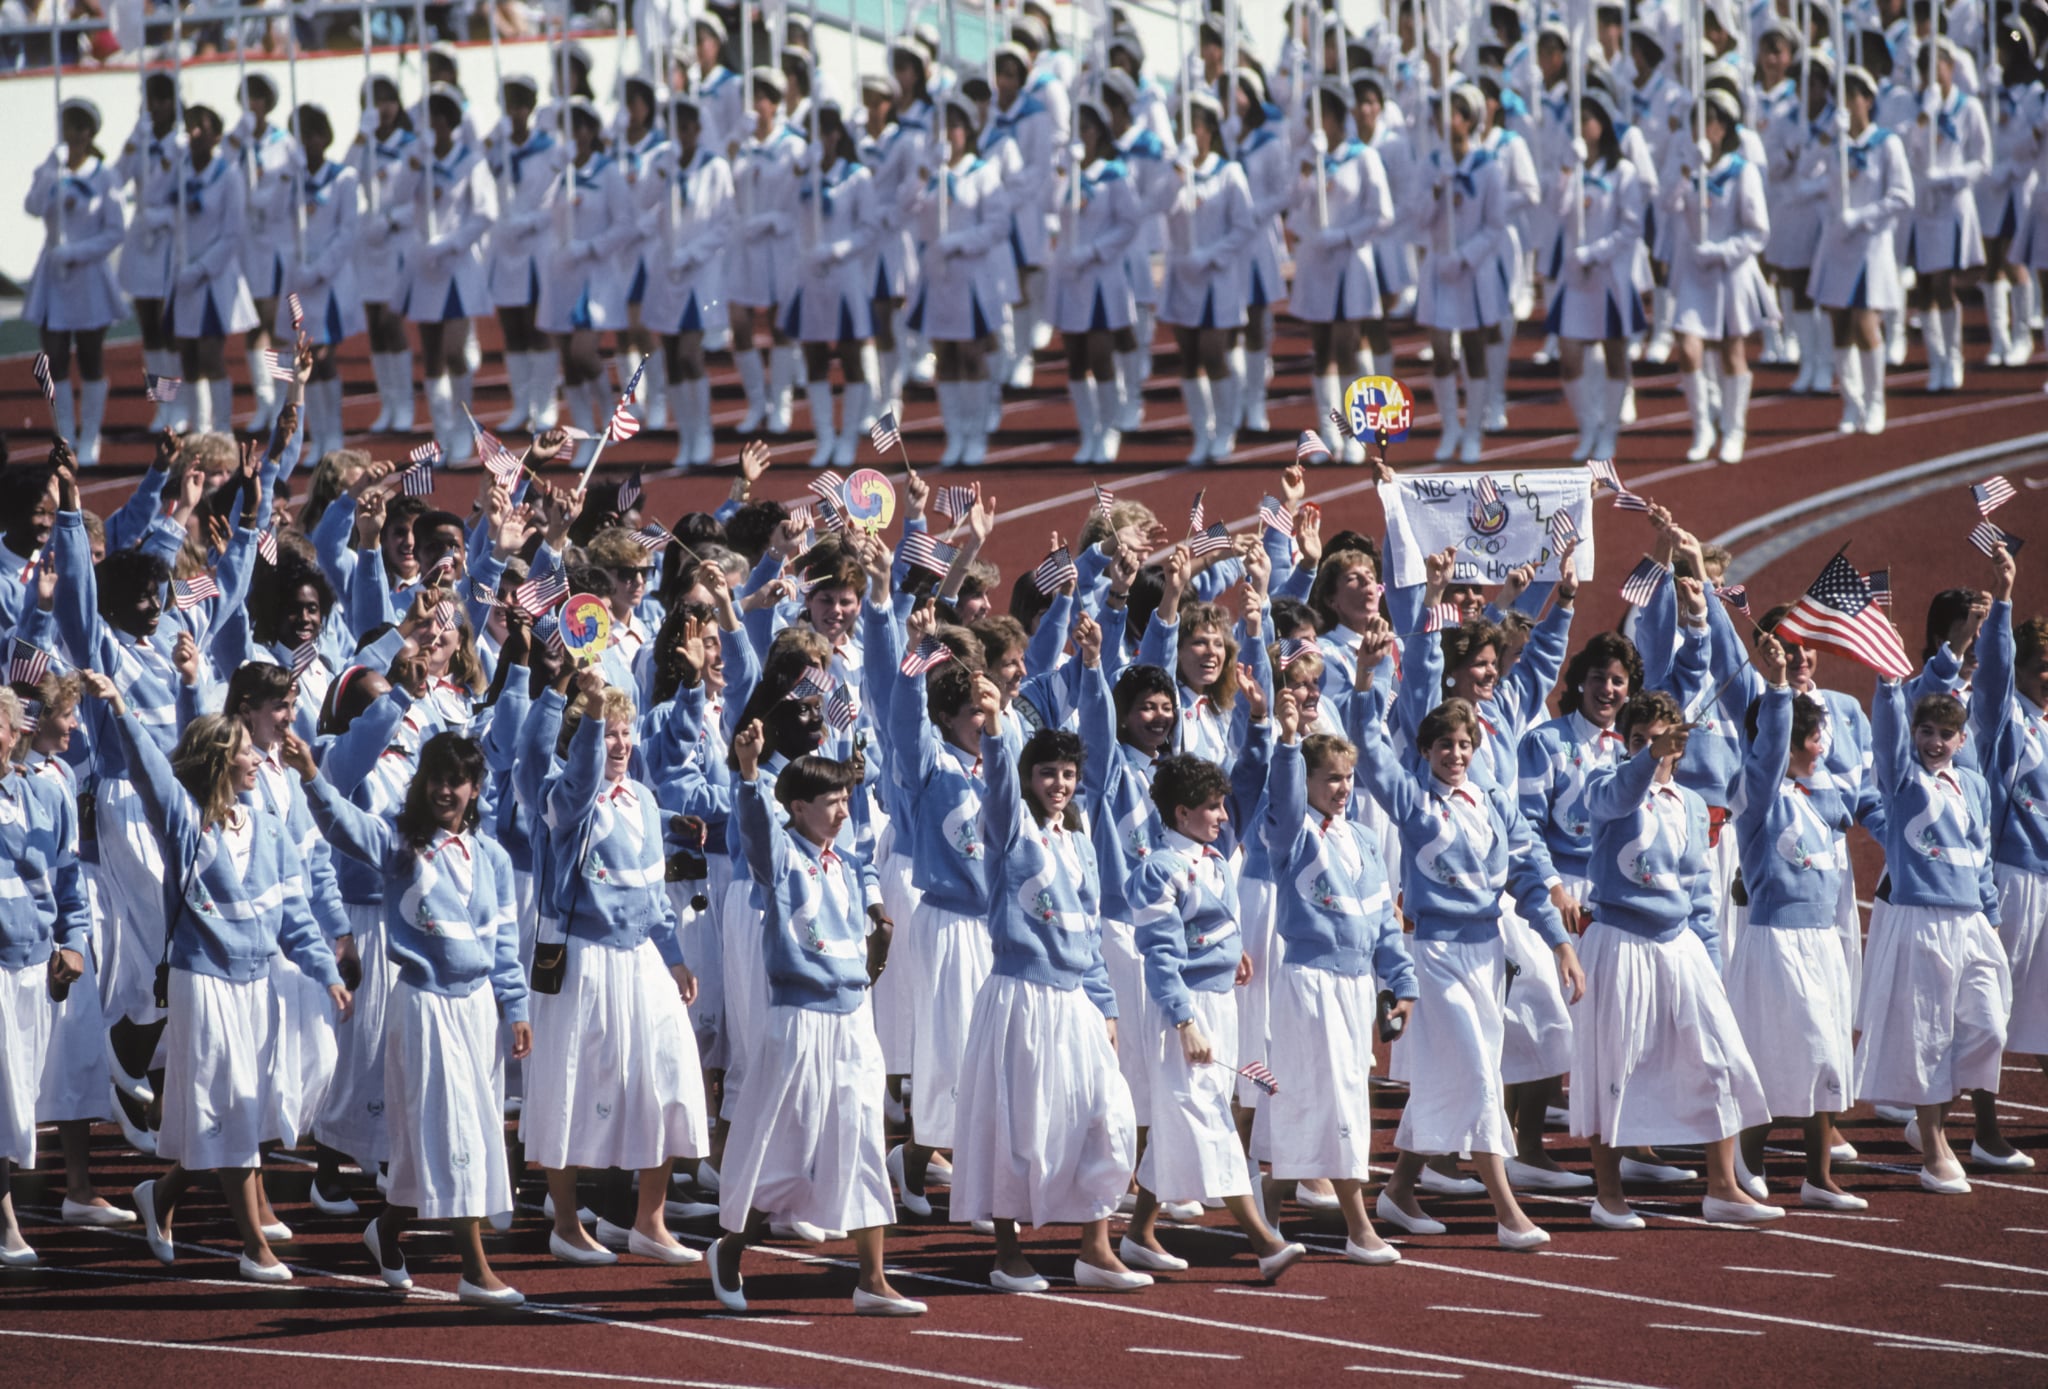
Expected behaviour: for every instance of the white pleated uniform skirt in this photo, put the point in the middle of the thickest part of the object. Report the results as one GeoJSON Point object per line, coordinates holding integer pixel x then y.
{"type": "Point", "coordinates": [746, 987]}
{"type": "Point", "coordinates": [704, 952]}
{"type": "Point", "coordinates": [1537, 1041]}
{"type": "Point", "coordinates": [306, 1049]}
{"type": "Point", "coordinates": [1657, 1056]}
{"type": "Point", "coordinates": [74, 1076]}
{"type": "Point", "coordinates": [1949, 237]}
{"type": "Point", "coordinates": [1092, 297]}
{"type": "Point", "coordinates": [1192, 1152]}
{"type": "Point", "coordinates": [224, 1092]}
{"type": "Point", "coordinates": [72, 299]}
{"type": "Point", "coordinates": [1046, 1134]}
{"type": "Point", "coordinates": [1455, 1104]}
{"type": "Point", "coordinates": [807, 1143]}
{"type": "Point", "coordinates": [575, 294]}
{"type": "Point", "coordinates": [894, 997]}
{"type": "Point", "coordinates": [1460, 301]}
{"type": "Point", "coordinates": [351, 1120]}
{"type": "Point", "coordinates": [25, 1020]}
{"type": "Point", "coordinates": [830, 304]}
{"type": "Point", "coordinates": [1789, 990]}
{"type": "Point", "coordinates": [1126, 970]}
{"type": "Point", "coordinates": [1724, 862]}
{"type": "Point", "coordinates": [613, 1080]}
{"type": "Point", "coordinates": [1319, 1122]}
{"type": "Point", "coordinates": [2023, 931]}
{"type": "Point", "coordinates": [1849, 931]}
{"type": "Point", "coordinates": [954, 961]}
{"type": "Point", "coordinates": [447, 1127]}
{"type": "Point", "coordinates": [1256, 908]}
{"type": "Point", "coordinates": [1936, 995]}
{"type": "Point", "coordinates": [1714, 302]}
{"type": "Point", "coordinates": [131, 876]}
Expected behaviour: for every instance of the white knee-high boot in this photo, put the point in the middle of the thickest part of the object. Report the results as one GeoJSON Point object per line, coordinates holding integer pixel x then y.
{"type": "Point", "coordinates": [1588, 399]}
{"type": "Point", "coordinates": [1201, 408]}
{"type": "Point", "coordinates": [1895, 337]}
{"type": "Point", "coordinates": [1694, 384]}
{"type": "Point", "coordinates": [888, 379]}
{"type": "Point", "coordinates": [92, 410]}
{"type": "Point", "coordinates": [1734, 416]}
{"type": "Point", "coordinates": [1324, 389]}
{"type": "Point", "coordinates": [1144, 324]}
{"type": "Point", "coordinates": [221, 396]}
{"type": "Point", "coordinates": [1255, 420]}
{"type": "Point", "coordinates": [980, 401]}
{"type": "Point", "coordinates": [1109, 408]}
{"type": "Point", "coordinates": [1446, 388]}
{"type": "Point", "coordinates": [753, 381]}
{"type": "Point", "coordinates": [1022, 366]}
{"type": "Point", "coordinates": [1496, 412]}
{"type": "Point", "coordinates": [819, 394]}
{"type": "Point", "coordinates": [653, 392]}
{"type": "Point", "coordinates": [785, 369]}
{"type": "Point", "coordinates": [948, 393]}
{"type": "Point", "coordinates": [1088, 441]}
{"type": "Point", "coordinates": [518, 367]}
{"type": "Point", "coordinates": [854, 426]}
{"type": "Point", "coordinates": [403, 412]}
{"type": "Point", "coordinates": [682, 409]}
{"type": "Point", "coordinates": [263, 388]}
{"type": "Point", "coordinates": [1872, 362]}
{"type": "Point", "coordinates": [1849, 385]}
{"type": "Point", "coordinates": [1659, 351]}
{"type": "Point", "coordinates": [1998, 317]}
{"type": "Point", "coordinates": [1234, 364]}
{"type": "Point", "coordinates": [1822, 336]}
{"type": "Point", "coordinates": [461, 448]}
{"type": "Point", "coordinates": [1131, 374]}
{"type": "Point", "coordinates": [1614, 393]}
{"type": "Point", "coordinates": [1952, 334]}
{"type": "Point", "coordinates": [2027, 300]}
{"type": "Point", "coordinates": [1931, 334]}
{"type": "Point", "coordinates": [1226, 391]}
{"type": "Point", "coordinates": [872, 389]}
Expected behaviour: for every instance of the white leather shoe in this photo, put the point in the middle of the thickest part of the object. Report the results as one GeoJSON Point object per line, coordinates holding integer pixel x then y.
{"type": "Point", "coordinates": [1181, 1212]}
{"type": "Point", "coordinates": [396, 1278]}
{"type": "Point", "coordinates": [1719, 1212]}
{"type": "Point", "coordinates": [2012, 1162]}
{"type": "Point", "coordinates": [637, 1243]}
{"type": "Point", "coordinates": [938, 1172]}
{"type": "Point", "coordinates": [263, 1273]}
{"type": "Point", "coordinates": [1087, 1275]}
{"type": "Point", "coordinates": [1522, 1243]}
{"type": "Point", "coordinates": [1843, 1152]}
{"type": "Point", "coordinates": [1912, 1134]}
{"type": "Point", "coordinates": [1004, 1283]}
{"type": "Point", "coordinates": [1950, 1186]}
{"type": "Point", "coordinates": [470, 1295]}
{"type": "Point", "coordinates": [1608, 1220]}
{"type": "Point", "coordinates": [1821, 1199]}
{"type": "Point", "coordinates": [576, 1254]}
{"type": "Point", "coordinates": [145, 1206]}
{"type": "Point", "coordinates": [1661, 1174]}
{"type": "Point", "coordinates": [1315, 1200]}
{"type": "Point", "coordinates": [1749, 1181]}
{"type": "Point", "coordinates": [103, 1217]}
{"type": "Point", "coordinates": [20, 1256]}
{"type": "Point", "coordinates": [613, 1237]}
{"type": "Point", "coordinates": [277, 1232]}
{"type": "Point", "coordinates": [915, 1202]}
{"type": "Point", "coordinates": [797, 1230]}
{"type": "Point", "coordinates": [867, 1304]}
{"type": "Point", "coordinates": [1151, 1260]}
{"type": "Point", "coordinates": [1440, 1184]}
{"type": "Point", "coordinates": [1386, 1210]}
{"type": "Point", "coordinates": [1359, 1254]}
{"type": "Point", "coordinates": [1523, 1176]}
{"type": "Point", "coordinates": [326, 1205]}
{"type": "Point", "coordinates": [733, 1299]}
{"type": "Point", "coordinates": [689, 1210]}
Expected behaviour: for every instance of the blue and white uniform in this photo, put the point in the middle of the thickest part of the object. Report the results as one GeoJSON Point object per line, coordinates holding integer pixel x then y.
{"type": "Point", "coordinates": [42, 908]}
{"type": "Point", "coordinates": [2011, 737]}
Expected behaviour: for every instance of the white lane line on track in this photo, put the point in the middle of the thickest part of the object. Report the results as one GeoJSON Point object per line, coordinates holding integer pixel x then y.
{"type": "Point", "coordinates": [1568, 1254]}
{"type": "Point", "coordinates": [1398, 1370]}
{"type": "Point", "coordinates": [755, 1319]}
{"type": "Point", "coordinates": [1183, 1354]}
{"type": "Point", "coordinates": [2022, 1230]}
{"type": "Point", "coordinates": [1915, 1345]}
{"type": "Point", "coordinates": [1846, 1215]}
{"type": "Point", "coordinates": [1985, 1288]}
{"type": "Point", "coordinates": [1710, 1330]}
{"type": "Point", "coordinates": [966, 1335]}
{"type": "Point", "coordinates": [1780, 1272]}
{"type": "Point", "coordinates": [358, 1359]}
{"type": "Point", "coordinates": [1271, 1292]}
{"type": "Point", "coordinates": [1490, 1312]}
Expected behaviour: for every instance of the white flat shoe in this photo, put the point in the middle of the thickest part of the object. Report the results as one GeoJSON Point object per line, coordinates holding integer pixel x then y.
{"type": "Point", "coordinates": [637, 1243]}
{"type": "Point", "coordinates": [938, 1172]}
{"type": "Point", "coordinates": [1719, 1212]}
{"type": "Point", "coordinates": [867, 1304]}
{"type": "Point", "coordinates": [1894, 1114]}
{"type": "Point", "coordinates": [1439, 1184]}
{"type": "Point", "coordinates": [277, 1232]}
{"type": "Point", "coordinates": [2012, 1162]}
{"type": "Point", "coordinates": [801, 1230]}
{"type": "Point", "coordinates": [393, 1277]}
{"type": "Point", "coordinates": [612, 1237]}
{"type": "Point", "coordinates": [1151, 1260]}
{"type": "Point", "coordinates": [1523, 1176]}
{"type": "Point", "coordinates": [1401, 1220]}
{"type": "Point", "coordinates": [21, 1256]}
{"type": "Point", "coordinates": [1749, 1181]}
{"type": "Point", "coordinates": [733, 1299]}
{"type": "Point", "coordinates": [1181, 1212]}
{"type": "Point", "coordinates": [470, 1295]}
{"type": "Point", "coordinates": [141, 1140]}
{"type": "Point", "coordinates": [1819, 1198]}
{"type": "Point", "coordinates": [1087, 1275]}
{"type": "Point", "coordinates": [1529, 1239]}
{"type": "Point", "coordinates": [1359, 1254]}
{"type": "Point", "coordinates": [689, 1210]}
{"type": "Point", "coordinates": [1314, 1200]}
{"type": "Point", "coordinates": [1608, 1220]}
{"type": "Point", "coordinates": [263, 1273]}
{"type": "Point", "coordinates": [915, 1202]}
{"type": "Point", "coordinates": [707, 1178]}
{"type": "Point", "coordinates": [1004, 1283]}
{"type": "Point", "coordinates": [584, 1215]}
{"type": "Point", "coordinates": [1843, 1152]}
{"type": "Point", "coordinates": [1658, 1173]}
{"type": "Point", "coordinates": [326, 1205]}
{"type": "Point", "coordinates": [982, 1227]}
{"type": "Point", "coordinates": [145, 1206]}
{"type": "Point", "coordinates": [576, 1254]}
{"type": "Point", "coordinates": [1271, 1266]}
{"type": "Point", "coordinates": [106, 1216]}
{"type": "Point", "coordinates": [1951, 1186]}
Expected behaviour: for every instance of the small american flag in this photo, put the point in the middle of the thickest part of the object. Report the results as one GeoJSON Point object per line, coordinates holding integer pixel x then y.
{"type": "Point", "coordinates": [1214, 540]}
{"type": "Point", "coordinates": [418, 480]}
{"type": "Point", "coordinates": [1104, 499]}
{"type": "Point", "coordinates": [277, 365]}
{"type": "Point", "coordinates": [190, 593]}
{"type": "Point", "coordinates": [1629, 501]}
{"type": "Point", "coordinates": [1055, 570]}
{"type": "Point", "coordinates": [298, 313]}
{"type": "Point", "coordinates": [953, 502]}
{"type": "Point", "coordinates": [631, 490]}
{"type": "Point", "coordinates": [885, 434]}
{"type": "Point", "coordinates": [1196, 515]}
{"type": "Point", "coordinates": [1337, 418]}
{"type": "Point", "coordinates": [1274, 513]}
{"type": "Point", "coordinates": [1991, 494]}
{"type": "Point", "coordinates": [828, 486]}
{"type": "Point", "coordinates": [1641, 582]}
{"type": "Point", "coordinates": [304, 656]}
{"type": "Point", "coordinates": [921, 550]}
{"type": "Point", "coordinates": [42, 371]}
{"type": "Point", "coordinates": [1836, 613]}
{"type": "Point", "coordinates": [1257, 1073]}
{"type": "Point", "coordinates": [814, 681]}
{"type": "Point", "coordinates": [1988, 537]}
{"type": "Point", "coordinates": [1604, 475]}
{"type": "Point", "coordinates": [1486, 490]}
{"type": "Point", "coordinates": [425, 453]}
{"type": "Point", "coordinates": [443, 572]}
{"type": "Point", "coordinates": [537, 596]}
{"type": "Point", "coordinates": [801, 512]}
{"type": "Point", "coordinates": [1439, 616]}
{"type": "Point", "coordinates": [501, 462]}
{"type": "Point", "coordinates": [444, 617]}
{"type": "Point", "coordinates": [841, 710]}
{"type": "Point", "coordinates": [266, 546]}
{"type": "Point", "coordinates": [1737, 596]}
{"type": "Point", "coordinates": [555, 641]}
{"type": "Point", "coordinates": [162, 389]}
{"type": "Point", "coordinates": [31, 715]}
{"type": "Point", "coordinates": [1879, 582]}
{"type": "Point", "coordinates": [1292, 649]}
{"type": "Point", "coordinates": [29, 664]}
{"type": "Point", "coordinates": [625, 424]}
{"type": "Point", "coordinates": [1309, 447]}
{"type": "Point", "coordinates": [652, 537]}
{"type": "Point", "coordinates": [930, 652]}
{"type": "Point", "coordinates": [830, 518]}
{"type": "Point", "coordinates": [1563, 530]}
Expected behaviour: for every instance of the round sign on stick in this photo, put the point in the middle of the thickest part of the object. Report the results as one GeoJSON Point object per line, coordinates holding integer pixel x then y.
{"type": "Point", "coordinates": [870, 500]}
{"type": "Point", "coordinates": [1374, 403]}
{"type": "Point", "coordinates": [586, 628]}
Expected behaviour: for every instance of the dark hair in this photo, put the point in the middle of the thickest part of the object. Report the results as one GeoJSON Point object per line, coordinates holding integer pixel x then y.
{"type": "Point", "coordinates": [1807, 716]}
{"type": "Point", "coordinates": [22, 486]}
{"type": "Point", "coordinates": [1135, 684]}
{"type": "Point", "coordinates": [588, 578]}
{"type": "Point", "coordinates": [159, 87]}
{"type": "Point", "coordinates": [2029, 640]}
{"type": "Point", "coordinates": [1647, 707]}
{"type": "Point", "coordinates": [997, 633]}
{"type": "Point", "coordinates": [433, 521]}
{"type": "Point", "coordinates": [948, 690]}
{"type": "Point", "coordinates": [668, 646]}
{"type": "Point", "coordinates": [203, 115]}
{"type": "Point", "coordinates": [1337, 562]}
{"type": "Point", "coordinates": [313, 118]}
{"type": "Point", "coordinates": [1948, 607]}
{"type": "Point", "coordinates": [1610, 142]}
{"type": "Point", "coordinates": [1289, 614]}
{"type": "Point", "coordinates": [268, 596]}
{"type": "Point", "coordinates": [1462, 645]}
{"type": "Point", "coordinates": [749, 529]}
{"type": "Point", "coordinates": [125, 575]}
{"type": "Point", "coordinates": [812, 776]}
{"type": "Point", "coordinates": [254, 682]}
{"type": "Point", "coordinates": [1604, 649]}
{"type": "Point", "coordinates": [1045, 747]}
{"type": "Point", "coordinates": [1448, 717]}
{"type": "Point", "coordinates": [446, 759]}
{"type": "Point", "coordinates": [1028, 602]}
{"type": "Point", "coordinates": [1186, 780]}
{"type": "Point", "coordinates": [1940, 709]}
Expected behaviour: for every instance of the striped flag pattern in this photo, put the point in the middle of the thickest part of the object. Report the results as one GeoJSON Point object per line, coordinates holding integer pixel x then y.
{"type": "Point", "coordinates": [1737, 596]}
{"type": "Point", "coordinates": [1257, 1073]}
{"type": "Point", "coordinates": [828, 486]}
{"type": "Point", "coordinates": [631, 490]}
{"type": "Point", "coordinates": [841, 710]}
{"type": "Point", "coordinates": [814, 681]}
{"type": "Point", "coordinates": [537, 596]}
{"type": "Point", "coordinates": [1486, 489]}
{"type": "Point", "coordinates": [652, 537]}
{"type": "Point", "coordinates": [1879, 582]}
{"type": "Point", "coordinates": [955, 502]}
{"type": "Point", "coordinates": [1837, 613]}
{"type": "Point", "coordinates": [190, 593]}
{"type": "Point", "coordinates": [1629, 501]}
{"type": "Point", "coordinates": [1104, 499]}
{"type": "Point", "coordinates": [418, 480]}
{"type": "Point", "coordinates": [885, 435]}
{"type": "Point", "coordinates": [1196, 515]}
{"type": "Point", "coordinates": [28, 665]}
{"type": "Point", "coordinates": [1055, 570]}
{"type": "Point", "coordinates": [624, 423]}
{"type": "Point", "coordinates": [922, 550]}
{"type": "Point", "coordinates": [1563, 530]}
{"type": "Point", "coordinates": [1440, 616]}
{"type": "Point", "coordinates": [1273, 512]}
{"type": "Point", "coordinates": [1604, 475]}
{"type": "Point", "coordinates": [161, 389]}
{"type": "Point", "coordinates": [930, 652]}
{"type": "Point", "coordinates": [1291, 649]}
{"type": "Point", "coordinates": [304, 656]}
{"type": "Point", "coordinates": [1988, 537]}
{"type": "Point", "coordinates": [43, 381]}
{"type": "Point", "coordinates": [277, 365]}
{"type": "Point", "coordinates": [1641, 582]}
{"type": "Point", "coordinates": [429, 452]}
{"type": "Point", "coordinates": [1991, 494]}
{"type": "Point", "coordinates": [1214, 540]}
{"type": "Point", "coordinates": [266, 546]}
{"type": "Point", "coordinates": [1309, 447]}
{"type": "Point", "coordinates": [31, 715]}
{"type": "Point", "coordinates": [298, 313]}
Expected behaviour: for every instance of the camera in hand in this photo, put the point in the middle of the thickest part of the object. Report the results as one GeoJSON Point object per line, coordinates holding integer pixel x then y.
{"type": "Point", "coordinates": [688, 864]}
{"type": "Point", "coordinates": [1390, 1026]}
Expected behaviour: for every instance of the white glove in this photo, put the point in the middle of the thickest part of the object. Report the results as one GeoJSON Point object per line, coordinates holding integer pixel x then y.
{"type": "Point", "coordinates": [1583, 257]}
{"type": "Point", "coordinates": [366, 125]}
{"type": "Point", "coordinates": [1855, 219]}
{"type": "Point", "coordinates": [1319, 142]}
{"type": "Point", "coordinates": [1334, 238]}
{"type": "Point", "coordinates": [1450, 263]}
{"type": "Point", "coordinates": [955, 243]}
{"type": "Point", "coordinates": [159, 218]}
{"type": "Point", "coordinates": [1711, 254]}
{"type": "Point", "coordinates": [1580, 152]}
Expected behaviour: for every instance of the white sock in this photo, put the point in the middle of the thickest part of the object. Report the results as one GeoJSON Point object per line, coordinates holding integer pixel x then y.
{"type": "Point", "coordinates": [1849, 373]}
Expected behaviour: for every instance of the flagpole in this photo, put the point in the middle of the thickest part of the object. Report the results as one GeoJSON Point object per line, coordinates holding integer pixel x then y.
{"type": "Point", "coordinates": [57, 99]}
{"type": "Point", "coordinates": [369, 95]}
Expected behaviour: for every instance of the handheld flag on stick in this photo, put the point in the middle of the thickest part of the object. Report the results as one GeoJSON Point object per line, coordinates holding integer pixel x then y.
{"type": "Point", "coordinates": [1837, 613]}
{"type": "Point", "coordinates": [1641, 582]}
{"type": "Point", "coordinates": [1991, 494]}
{"type": "Point", "coordinates": [930, 652]}
{"type": "Point", "coordinates": [1056, 570]}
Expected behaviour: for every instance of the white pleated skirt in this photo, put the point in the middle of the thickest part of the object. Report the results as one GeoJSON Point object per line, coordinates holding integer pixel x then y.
{"type": "Point", "coordinates": [447, 1127]}
{"type": "Point", "coordinates": [1849, 930]}
{"type": "Point", "coordinates": [1455, 1104]}
{"type": "Point", "coordinates": [2023, 931]}
{"type": "Point", "coordinates": [25, 1019]}
{"type": "Point", "coordinates": [223, 1092]}
{"type": "Point", "coordinates": [306, 1049]}
{"type": "Point", "coordinates": [351, 1118]}
{"type": "Point", "coordinates": [1091, 298]}
{"type": "Point", "coordinates": [704, 952]}
{"type": "Point", "coordinates": [1657, 1056]}
{"type": "Point", "coordinates": [746, 986]}
{"type": "Point", "coordinates": [1192, 1152]}
{"type": "Point", "coordinates": [954, 959]}
{"type": "Point", "coordinates": [807, 1142]}
{"type": "Point", "coordinates": [1046, 1131]}
{"type": "Point", "coordinates": [1936, 995]}
{"type": "Point", "coordinates": [74, 1076]}
{"type": "Point", "coordinates": [131, 878]}
{"type": "Point", "coordinates": [1789, 990]}
{"type": "Point", "coordinates": [1319, 1122]}
{"type": "Point", "coordinates": [613, 1079]}
{"type": "Point", "coordinates": [1537, 1022]}
{"type": "Point", "coordinates": [1256, 902]}
{"type": "Point", "coordinates": [894, 997]}
{"type": "Point", "coordinates": [1126, 970]}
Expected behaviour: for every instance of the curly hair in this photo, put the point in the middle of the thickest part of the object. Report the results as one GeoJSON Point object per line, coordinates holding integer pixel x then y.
{"type": "Point", "coordinates": [1647, 707]}
{"type": "Point", "coordinates": [1186, 780]}
{"type": "Point", "coordinates": [203, 762]}
{"type": "Point", "coordinates": [1603, 650]}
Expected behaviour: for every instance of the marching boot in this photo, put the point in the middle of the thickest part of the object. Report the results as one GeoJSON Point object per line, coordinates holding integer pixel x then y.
{"type": "Point", "coordinates": [92, 409]}
{"type": "Point", "coordinates": [819, 394]}
{"type": "Point", "coordinates": [1694, 385]}
{"type": "Point", "coordinates": [1734, 416]}
{"type": "Point", "coordinates": [1201, 408]}
{"type": "Point", "coordinates": [753, 383]}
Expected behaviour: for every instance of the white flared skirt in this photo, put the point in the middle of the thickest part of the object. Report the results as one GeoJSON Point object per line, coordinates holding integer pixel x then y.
{"type": "Point", "coordinates": [1126, 970]}
{"type": "Point", "coordinates": [25, 1019]}
{"type": "Point", "coordinates": [746, 986]}
{"type": "Point", "coordinates": [1256, 902]}
{"type": "Point", "coordinates": [306, 1049]}
{"type": "Point", "coordinates": [1657, 1056]}
{"type": "Point", "coordinates": [1091, 298]}
{"type": "Point", "coordinates": [1789, 990]}
{"type": "Point", "coordinates": [1192, 1152]}
{"type": "Point", "coordinates": [1319, 1122]}
{"type": "Point", "coordinates": [1455, 1104]}
{"type": "Point", "coordinates": [1936, 995]}
{"type": "Point", "coordinates": [1718, 302]}
{"type": "Point", "coordinates": [807, 1142]}
{"type": "Point", "coordinates": [224, 1092]}
{"type": "Point", "coordinates": [704, 952]}
{"type": "Point", "coordinates": [894, 997]}
{"type": "Point", "coordinates": [74, 1078]}
{"type": "Point", "coordinates": [2023, 931]}
{"type": "Point", "coordinates": [1046, 1133]}
{"type": "Point", "coordinates": [351, 1119]}
{"type": "Point", "coordinates": [447, 1127]}
{"type": "Point", "coordinates": [1475, 297]}
{"type": "Point", "coordinates": [954, 959]}
{"type": "Point", "coordinates": [131, 879]}
{"type": "Point", "coordinates": [1537, 1040]}
{"type": "Point", "coordinates": [73, 299]}
{"type": "Point", "coordinates": [613, 1080]}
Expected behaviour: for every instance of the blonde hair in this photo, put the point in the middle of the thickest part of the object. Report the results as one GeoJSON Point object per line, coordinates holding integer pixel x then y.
{"type": "Point", "coordinates": [614, 548]}
{"type": "Point", "coordinates": [1098, 527]}
{"type": "Point", "coordinates": [211, 452]}
{"type": "Point", "coordinates": [613, 706]}
{"type": "Point", "coordinates": [204, 755]}
{"type": "Point", "coordinates": [10, 709]}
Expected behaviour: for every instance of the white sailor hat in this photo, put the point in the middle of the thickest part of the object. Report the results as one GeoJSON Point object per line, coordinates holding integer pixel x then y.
{"type": "Point", "coordinates": [880, 84]}
{"type": "Point", "coordinates": [89, 108]}
{"type": "Point", "coordinates": [1016, 53]}
{"type": "Point", "coordinates": [1858, 76]}
{"type": "Point", "coordinates": [712, 24]}
{"type": "Point", "coordinates": [1117, 83]}
{"type": "Point", "coordinates": [521, 82]}
{"type": "Point", "coordinates": [772, 79]}
{"type": "Point", "coordinates": [958, 105]}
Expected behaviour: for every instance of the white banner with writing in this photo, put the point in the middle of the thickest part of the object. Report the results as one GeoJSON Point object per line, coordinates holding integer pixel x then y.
{"type": "Point", "coordinates": [1428, 511]}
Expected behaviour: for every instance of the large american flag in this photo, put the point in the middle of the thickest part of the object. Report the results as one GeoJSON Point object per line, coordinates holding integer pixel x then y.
{"type": "Point", "coordinates": [1837, 613]}
{"type": "Point", "coordinates": [625, 424]}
